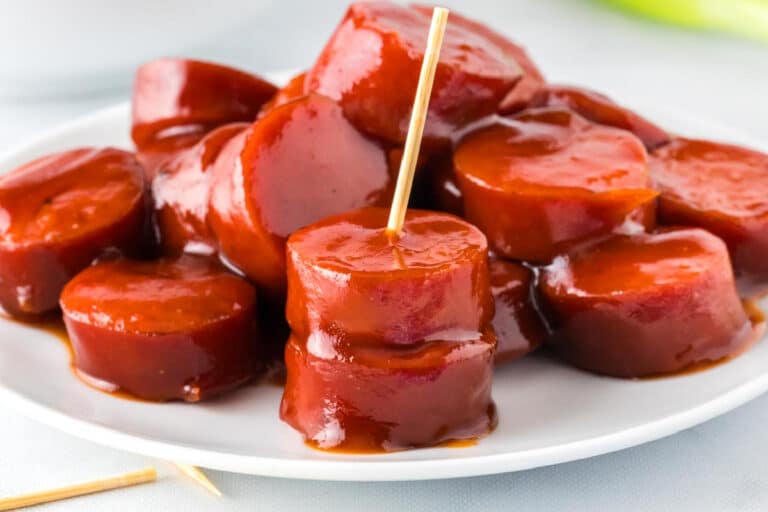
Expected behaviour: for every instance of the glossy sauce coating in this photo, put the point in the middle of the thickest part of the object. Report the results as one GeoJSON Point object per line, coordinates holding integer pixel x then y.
{"type": "Point", "coordinates": [299, 163]}
{"type": "Point", "coordinates": [371, 66]}
{"type": "Point", "coordinates": [402, 397]}
{"type": "Point", "coordinates": [181, 194]}
{"type": "Point", "coordinates": [350, 278]}
{"type": "Point", "coordinates": [645, 305]}
{"type": "Point", "coordinates": [156, 155]}
{"type": "Point", "coordinates": [163, 330]}
{"type": "Point", "coordinates": [518, 326]}
{"type": "Point", "coordinates": [532, 80]}
{"type": "Point", "coordinates": [60, 212]}
{"type": "Point", "coordinates": [180, 94]}
{"type": "Point", "coordinates": [600, 109]}
{"type": "Point", "coordinates": [547, 178]}
{"type": "Point", "coordinates": [723, 189]}
{"type": "Point", "coordinates": [444, 190]}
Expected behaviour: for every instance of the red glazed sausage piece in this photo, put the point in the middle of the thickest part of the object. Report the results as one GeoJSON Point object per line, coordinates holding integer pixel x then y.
{"type": "Point", "coordinates": [518, 326]}
{"type": "Point", "coordinates": [524, 91]}
{"type": "Point", "coordinates": [402, 397]}
{"type": "Point", "coordinates": [371, 66]}
{"type": "Point", "coordinates": [181, 193]}
{"type": "Point", "coordinates": [299, 163]}
{"type": "Point", "coordinates": [600, 109]}
{"type": "Point", "coordinates": [162, 330]}
{"type": "Point", "coordinates": [172, 95]}
{"type": "Point", "coordinates": [546, 179]}
{"type": "Point", "coordinates": [646, 305]}
{"type": "Point", "coordinates": [348, 277]}
{"type": "Point", "coordinates": [723, 189]}
{"type": "Point", "coordinates": [60, 212]}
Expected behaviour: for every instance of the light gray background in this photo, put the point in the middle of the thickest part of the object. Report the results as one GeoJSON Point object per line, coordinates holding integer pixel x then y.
{"type": "Point", "coordinates": [717, 466]}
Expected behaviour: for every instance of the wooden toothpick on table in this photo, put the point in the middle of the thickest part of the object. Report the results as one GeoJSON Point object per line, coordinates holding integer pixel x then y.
{"type": "Point", "coordinates": [198, 476]}
{"type": "Point", "coordinates": [70, 491]}
{"type": "Point", "coordinates": [418, 119]}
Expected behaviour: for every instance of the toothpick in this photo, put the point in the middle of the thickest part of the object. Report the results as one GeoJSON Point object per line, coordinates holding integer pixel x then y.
{"type": "Point", "coordinates": [418, 119]}
{"type": "Point", "coordinates": [103, 484]}
{"type": "Point", "coordinates": [198, 476]}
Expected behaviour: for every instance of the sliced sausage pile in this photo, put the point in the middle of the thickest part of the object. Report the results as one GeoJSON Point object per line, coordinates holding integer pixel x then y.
{"type": "Point", "coordinates": [613, 242]}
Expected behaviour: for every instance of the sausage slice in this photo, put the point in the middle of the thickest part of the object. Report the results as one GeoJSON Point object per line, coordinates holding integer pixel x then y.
{"type": "Point", "coordinates": [724, 189]}
{"type": "Point", "coordinates": [173, 95]}
{"type": "Point", "coordinates": [349, 277]}
{"type": "Point", "coordinates": [299, 163]}
{"type": "Point", "coordinates": [645, 305]}
{"type": "Point", "coordinates": [181, 193]}
{"type": "Point", "coordinates": [600, 109]}
{"type": "Point", "coordinates": [371, 66]}
{"type": "Point", "coordinates": [162, 330]}
{"type": "Point", "coordinates": [547, 178]}
{"type": "Point", "coordinates": [60, 212]}
{"type": "Point", "coordinates": [373, 399]}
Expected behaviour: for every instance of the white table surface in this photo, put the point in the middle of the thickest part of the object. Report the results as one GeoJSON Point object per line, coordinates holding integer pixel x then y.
{"type": "Point", "coordinates": [716, 466]}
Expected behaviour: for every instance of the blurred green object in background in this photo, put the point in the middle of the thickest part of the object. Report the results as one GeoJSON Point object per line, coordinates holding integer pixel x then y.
{"type": "Point", "coordinates": [744, 17]}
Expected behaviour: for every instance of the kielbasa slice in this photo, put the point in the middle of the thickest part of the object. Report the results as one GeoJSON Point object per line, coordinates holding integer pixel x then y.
{"type": "Point", "coordinates": [162, 330]}
{"type": "Point", "coordinates": [525, 90]}
{"type": "Point", "coordinates": [548, 178]}
{"type": "Point", "coordinates": [181, 193]}
{"type": "Point", "coordinates": [60, 212]}
{"type": "Point", "coordinates": [645, 305]}
{"type": "Point", "coordinates": [600, 109]}
{"type": "Point", "coordinates": [175, 95]}
{"type": "Point", "coordinates": [348, 277]}
{"type": "Point", "coordinates": [518, 326]}
{"type": "Point", "coordinates": [374, 398]}
{"type": "Point", "coordinates": [724, 189]}
{"type": "Point", "coordinates": [371, 66]}
{"type": "Point", "coordinates": [299, 163]}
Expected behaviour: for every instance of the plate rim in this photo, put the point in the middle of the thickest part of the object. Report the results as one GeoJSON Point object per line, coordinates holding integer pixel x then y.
{"type": "Point", "coordinates": [371, 470]}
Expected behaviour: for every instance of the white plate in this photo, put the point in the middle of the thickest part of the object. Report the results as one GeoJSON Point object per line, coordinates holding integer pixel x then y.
{"type": "Point", "coordinates": [549, 413]}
